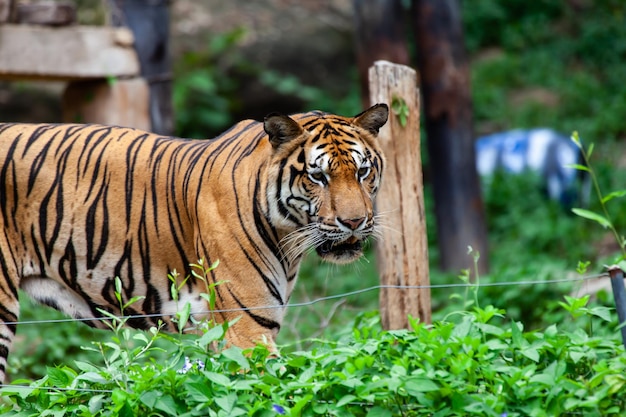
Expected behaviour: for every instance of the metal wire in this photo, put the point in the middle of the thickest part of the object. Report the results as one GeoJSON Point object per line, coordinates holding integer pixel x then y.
{"type": "Point", "coordinates": [322, 299]}
{"type": "Point", "coordinates": [7, 388]}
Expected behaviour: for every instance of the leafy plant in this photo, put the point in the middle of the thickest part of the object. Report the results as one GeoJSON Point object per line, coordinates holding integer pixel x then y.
{"type": "Point", "coordinates": [522, 52]}
{"type": "Point", "coordinates": [400, 109]}
{"type": "Point", "coordinates": [603, 218]}
{"type": "Point", "coordinates": [200, 272]}
{"type": "Point", "coordinates": [467, 367]}
{"type": "Point", "coordinates": [205, 86]}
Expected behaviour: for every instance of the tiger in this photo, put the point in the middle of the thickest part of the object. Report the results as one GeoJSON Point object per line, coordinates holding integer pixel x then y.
{"type": "Point", "coordinates": [82, 206]}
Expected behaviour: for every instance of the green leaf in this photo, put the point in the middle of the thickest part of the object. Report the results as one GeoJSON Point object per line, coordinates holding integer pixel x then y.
{"type": "Point", "coordinates": [132, 301]}
{"type": "Point", "coordinates": [150, 398]}
{"type": "Point", "coordinates": [227, 403]}
{"type": "Point", "coordinates": [198, 391]}
{"type": "Point", "coordinates": [576, 356]}
{"type": "Point", "coordinates": [590, 215]}
{"type": "Point", "coordinates": [400, 109]}
{"type": "Point", "coordinates": [346, 399]}
{"type": "Point", "coordinates": [603, 312]}
{"type": "Point", "coordinates": [219, 379]}
{"type": "Point", "coordinates": [118, 288]}
{"type": "Point", "coordinates": [530, 353]}
{"type": "Point", "coordinates": [94, 377]}
{"type": "Point", "coordinates": [307, 374]}
{"type": "Point", "coordinates": [236, 355]}
{"type": "Point", "coordinates": [58, 377]}
{"type": "Point", "coordinates": [616, 383]}
{"type": "Point", "coordinates": [300, 404]}
{"type": "Point", "coordinates": [517, 337]}
{"type": "Point", "coordinates": [183, 316]}
{"type": "Point", "coordinates": [416, 385]}
{"type": "Point", "coordinates": [215, 333]}
{"type": "Point", "coordinates": [612, 195]}
{"type": "Point", "coordinates": [576, 139]}
{"type": "Point", "coordinates": [167, 404]}
{"type": "Point", "coordinates": [95, 403]}
{"type": "Point", "coordinates": [578, 167]}
{"type": "Point", "coordinates": [403, 119]}
{"type": "Point", "coordinates": [126, 410]}
{"type": "Point", "coordinates": [111, 80]}
{"type": "Point", "coordinates": [543, 378]}
{"type": "Point", "coordinates": [490, 329]}
{"type": "Point", "coordinates": [85, 366]}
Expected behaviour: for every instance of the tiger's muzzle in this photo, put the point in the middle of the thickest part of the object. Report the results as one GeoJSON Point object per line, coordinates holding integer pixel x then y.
{"type": "Point", "coordinates": [343, 241]}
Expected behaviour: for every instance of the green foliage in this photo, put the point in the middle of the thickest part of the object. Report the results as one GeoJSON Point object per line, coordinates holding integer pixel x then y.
{"type": "Point", "coordinates": [603, 218]}
{"type": "Point", "coordinates": [208, 81]}
{"type": "Point", "coordinates": [327, 319]}
{"type": "Point", "coordinates": [545, 63]}
{"type": "Point", "coordinates": [41, 342]}
{"type": "Point", "coordinates": [205, 86]}
{"type": "Point", "coordinates": [476, 365]}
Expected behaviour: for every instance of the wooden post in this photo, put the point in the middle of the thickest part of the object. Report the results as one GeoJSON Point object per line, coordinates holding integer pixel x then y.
{"type": "Point", "coordinates": [402, 251]}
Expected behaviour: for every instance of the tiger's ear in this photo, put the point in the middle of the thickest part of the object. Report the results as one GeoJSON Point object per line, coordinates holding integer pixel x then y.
{"type": "Point", "coordinates": [281, 129]}
{"type": "Point", "coordinates": [373, 118]}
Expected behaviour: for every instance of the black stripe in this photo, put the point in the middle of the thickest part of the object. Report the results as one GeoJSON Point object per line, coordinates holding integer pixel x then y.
{"type": "Point", "coordinates": [268, 234]}
{"type": "Point", "coordinates": [67, 265]}
{"type": "Point", "coordinates": [143, 237]}
{"type": "Point", "coordinates": [3, 179]}
{"type": "Point", "coordinates": [91, 222]}
{"type": "Point", "coordinates": [260, 320]}
{"type": "Point", "coordinates": [7, 315]}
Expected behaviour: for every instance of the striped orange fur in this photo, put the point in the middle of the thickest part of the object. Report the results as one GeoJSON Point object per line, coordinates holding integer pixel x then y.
{"type": "Point", "coordinates": [83, 204]}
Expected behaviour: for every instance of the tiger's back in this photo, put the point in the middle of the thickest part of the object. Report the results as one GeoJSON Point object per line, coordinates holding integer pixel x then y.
{"type": "Point", "coordinates": [83, 204]}
{"type": "Point", "coordinates": [83, 201]}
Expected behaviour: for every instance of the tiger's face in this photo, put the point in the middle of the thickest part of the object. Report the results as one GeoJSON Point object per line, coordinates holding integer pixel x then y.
{"type": "Point", "coordinates": [327, 172]}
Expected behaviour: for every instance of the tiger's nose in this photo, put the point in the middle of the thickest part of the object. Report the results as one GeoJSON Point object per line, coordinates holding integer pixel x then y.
{"type": "Point", "coordinates": [351, 224]}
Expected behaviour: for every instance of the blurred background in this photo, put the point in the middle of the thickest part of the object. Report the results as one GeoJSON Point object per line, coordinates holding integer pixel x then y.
{"type": "Point", "coordinates": [556, 64]}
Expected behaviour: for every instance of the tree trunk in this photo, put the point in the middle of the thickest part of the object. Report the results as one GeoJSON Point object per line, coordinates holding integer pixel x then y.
{"type": "Point", "coordinates": [149, 21]}
{"type": "Point", "coordinates": [444, 72]}
{"type": "Point", "coordinates": [380, 35]}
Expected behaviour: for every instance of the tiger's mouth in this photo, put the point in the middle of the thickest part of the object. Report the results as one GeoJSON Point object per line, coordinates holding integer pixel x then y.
{"type": "Point", "coordinates": [340, 252]}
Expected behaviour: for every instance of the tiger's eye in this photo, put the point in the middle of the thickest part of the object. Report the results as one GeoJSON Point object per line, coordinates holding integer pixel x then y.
{"type": "Point", "coordinates": [363, 172]}
{"type": "Point", "coordinates": [318, 176]}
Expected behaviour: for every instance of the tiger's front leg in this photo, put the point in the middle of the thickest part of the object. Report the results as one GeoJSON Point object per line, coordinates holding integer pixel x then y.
{"type": "Point", "coordinates": [252, 305]}
{"type": "Point", "coordinates": [245, 333]}
{"type": "Point", "coordinates": [251, 322]}
{"type": "Point", "coordinates": [9, 312]}
{"type": "Point", "coordinates": [9, 305]}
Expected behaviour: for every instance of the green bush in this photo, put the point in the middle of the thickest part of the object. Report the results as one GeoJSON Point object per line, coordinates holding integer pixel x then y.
{"type": "Point", "coordinates": [205, 86]}
{"type": "Point", "coordinates": [572, 57]}
{"type": "Point", "coordinates": [474, 365]}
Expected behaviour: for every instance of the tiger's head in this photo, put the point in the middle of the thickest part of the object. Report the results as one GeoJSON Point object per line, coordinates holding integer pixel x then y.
{"type": "Point", "coordinates": [324, 175]}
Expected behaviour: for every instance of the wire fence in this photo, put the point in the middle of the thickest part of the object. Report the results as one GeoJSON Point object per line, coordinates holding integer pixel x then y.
{"type": "Point", "coordinates": [325, 298]}
{"type": "Point", "coordinates": [13, 388]}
